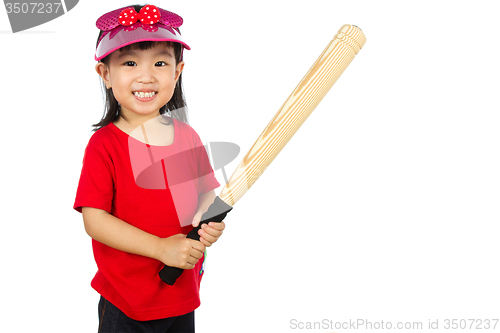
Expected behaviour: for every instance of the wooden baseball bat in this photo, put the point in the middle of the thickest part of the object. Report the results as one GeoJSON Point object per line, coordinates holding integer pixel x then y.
{"type": "Point", "coordinates": [300, 104]}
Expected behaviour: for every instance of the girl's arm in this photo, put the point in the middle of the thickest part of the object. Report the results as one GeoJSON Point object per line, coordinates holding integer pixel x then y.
{"type": "Point", "coordinates": [204, 201]}
{"type": "Point", "coordinates": [210, 233]}
{"type": "Point", "coordinates": [175, 251]}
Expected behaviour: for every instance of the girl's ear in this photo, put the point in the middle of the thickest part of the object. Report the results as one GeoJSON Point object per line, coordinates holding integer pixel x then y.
{"type": "Point", "coordinates": [178, 70]}
{"type": "Point", "coordinates": [103, 72]}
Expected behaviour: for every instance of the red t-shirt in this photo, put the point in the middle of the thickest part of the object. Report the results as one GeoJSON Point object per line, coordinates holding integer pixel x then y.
{"type": "Point", "coordinates": [128, 178]}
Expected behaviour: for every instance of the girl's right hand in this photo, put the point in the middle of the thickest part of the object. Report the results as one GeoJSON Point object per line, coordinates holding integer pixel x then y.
{"type": "Point", "coordinates": [179, 251]}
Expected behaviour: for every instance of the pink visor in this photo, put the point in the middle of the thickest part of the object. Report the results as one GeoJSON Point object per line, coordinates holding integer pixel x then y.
{"type": "Point", "coordinates": [125, 26]}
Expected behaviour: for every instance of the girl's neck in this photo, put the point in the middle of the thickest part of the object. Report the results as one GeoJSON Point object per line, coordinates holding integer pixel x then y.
{"type": "Point", "coordinates": [152, 132]}
{"type": "Point", "coordinates": [131, 122]}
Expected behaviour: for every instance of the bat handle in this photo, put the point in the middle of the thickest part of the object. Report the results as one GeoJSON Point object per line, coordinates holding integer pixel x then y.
{"type": "Point", "coordinates": [215, 213]}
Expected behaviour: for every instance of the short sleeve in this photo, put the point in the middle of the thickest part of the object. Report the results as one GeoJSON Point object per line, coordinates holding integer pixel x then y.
{"type": "Point", "coordinates": [96, 185]}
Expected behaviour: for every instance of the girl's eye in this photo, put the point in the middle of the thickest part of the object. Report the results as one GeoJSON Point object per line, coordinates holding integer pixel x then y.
{"type": "Point", "coordinates": [129, 63]}
{"type": "Point", "coordinates": [162, 63]}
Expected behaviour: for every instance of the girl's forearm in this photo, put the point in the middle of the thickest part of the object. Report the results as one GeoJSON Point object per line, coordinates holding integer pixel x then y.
{"type": "Point", "coordinates": [205, 200]}
{"type": "Point", "coordinates": [111, 231]}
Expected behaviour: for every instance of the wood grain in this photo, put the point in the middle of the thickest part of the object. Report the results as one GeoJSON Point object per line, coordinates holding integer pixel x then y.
{"type": "Point", "coordinates": [303, 100]}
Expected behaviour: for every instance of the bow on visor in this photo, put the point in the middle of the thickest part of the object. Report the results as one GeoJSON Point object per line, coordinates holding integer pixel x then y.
{"type": "Point", "coordinates": [149, 18]}
{"type": "Point", "coordinates": [148, 14]}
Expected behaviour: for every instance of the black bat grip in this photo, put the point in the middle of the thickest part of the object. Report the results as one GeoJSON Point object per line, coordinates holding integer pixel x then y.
{"type": "Point", "coordinates": [215, 213]}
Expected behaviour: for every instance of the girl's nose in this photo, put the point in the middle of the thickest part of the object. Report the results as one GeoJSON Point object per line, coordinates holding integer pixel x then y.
{"type": "Point", "coordinates": [146, 76]}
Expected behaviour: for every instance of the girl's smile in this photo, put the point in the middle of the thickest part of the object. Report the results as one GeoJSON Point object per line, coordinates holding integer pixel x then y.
{"type": "Point", "coordinates": [145, 96]}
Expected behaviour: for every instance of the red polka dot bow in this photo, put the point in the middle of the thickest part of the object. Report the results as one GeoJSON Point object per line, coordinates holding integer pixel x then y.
{"type": "Point", "coordinates": [149, 14]}
{"type": "Point", "coordinates": [117, 18]}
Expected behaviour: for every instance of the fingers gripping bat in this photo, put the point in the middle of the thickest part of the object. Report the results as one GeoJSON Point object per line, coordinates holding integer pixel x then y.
{"type": "Point", "coordinates": [309, 92]}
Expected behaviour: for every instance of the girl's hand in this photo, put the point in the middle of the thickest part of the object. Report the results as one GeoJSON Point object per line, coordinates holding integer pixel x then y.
{"type": "Point", "coordinates": [179, 251]}
{"type": "Point", "coordinates": [210, 233]}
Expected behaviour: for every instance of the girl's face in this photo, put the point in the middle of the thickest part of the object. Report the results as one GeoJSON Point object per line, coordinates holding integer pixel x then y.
{"type": "Point", "coordinates": [142, 80]}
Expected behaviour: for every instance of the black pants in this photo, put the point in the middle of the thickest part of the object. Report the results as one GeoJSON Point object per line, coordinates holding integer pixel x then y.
{"type": "Point", "coordinates": [113, 320]}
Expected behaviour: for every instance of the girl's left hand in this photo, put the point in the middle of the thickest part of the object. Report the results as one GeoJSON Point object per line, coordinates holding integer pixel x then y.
{"type": "Point", "coordinates": [209, 233]}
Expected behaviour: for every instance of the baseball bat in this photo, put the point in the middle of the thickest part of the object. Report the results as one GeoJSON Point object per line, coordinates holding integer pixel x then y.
{"type": "Point", "coordinates": [330, 65]}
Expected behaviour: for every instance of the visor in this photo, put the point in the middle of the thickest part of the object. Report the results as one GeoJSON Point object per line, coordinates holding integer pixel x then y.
{"type": "Point", "coordinates": [125, 26]}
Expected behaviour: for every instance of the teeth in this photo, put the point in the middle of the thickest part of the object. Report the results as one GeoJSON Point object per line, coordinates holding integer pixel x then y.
{"type": "Point", "coordinates": [143, 94]}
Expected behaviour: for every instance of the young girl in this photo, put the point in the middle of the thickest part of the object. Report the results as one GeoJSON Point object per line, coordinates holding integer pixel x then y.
{"type": "Point", "coordinates": [137, 217]}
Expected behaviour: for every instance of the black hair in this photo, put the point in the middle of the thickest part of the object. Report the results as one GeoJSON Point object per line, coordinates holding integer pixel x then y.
{"type": "Point", "coordinates": [177, 102]}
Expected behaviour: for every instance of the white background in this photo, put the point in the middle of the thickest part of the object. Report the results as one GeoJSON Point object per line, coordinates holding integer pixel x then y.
{"type": "Point", "coordinates": [384, 206]}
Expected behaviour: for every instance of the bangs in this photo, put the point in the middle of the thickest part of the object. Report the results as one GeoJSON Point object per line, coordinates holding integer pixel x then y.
{"type": "Point", "coordinates": [146, 45]}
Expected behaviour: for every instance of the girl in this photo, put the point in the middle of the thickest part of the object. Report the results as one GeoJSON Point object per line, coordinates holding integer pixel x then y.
{"type": "Point", "coordinates": [133, 210]}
